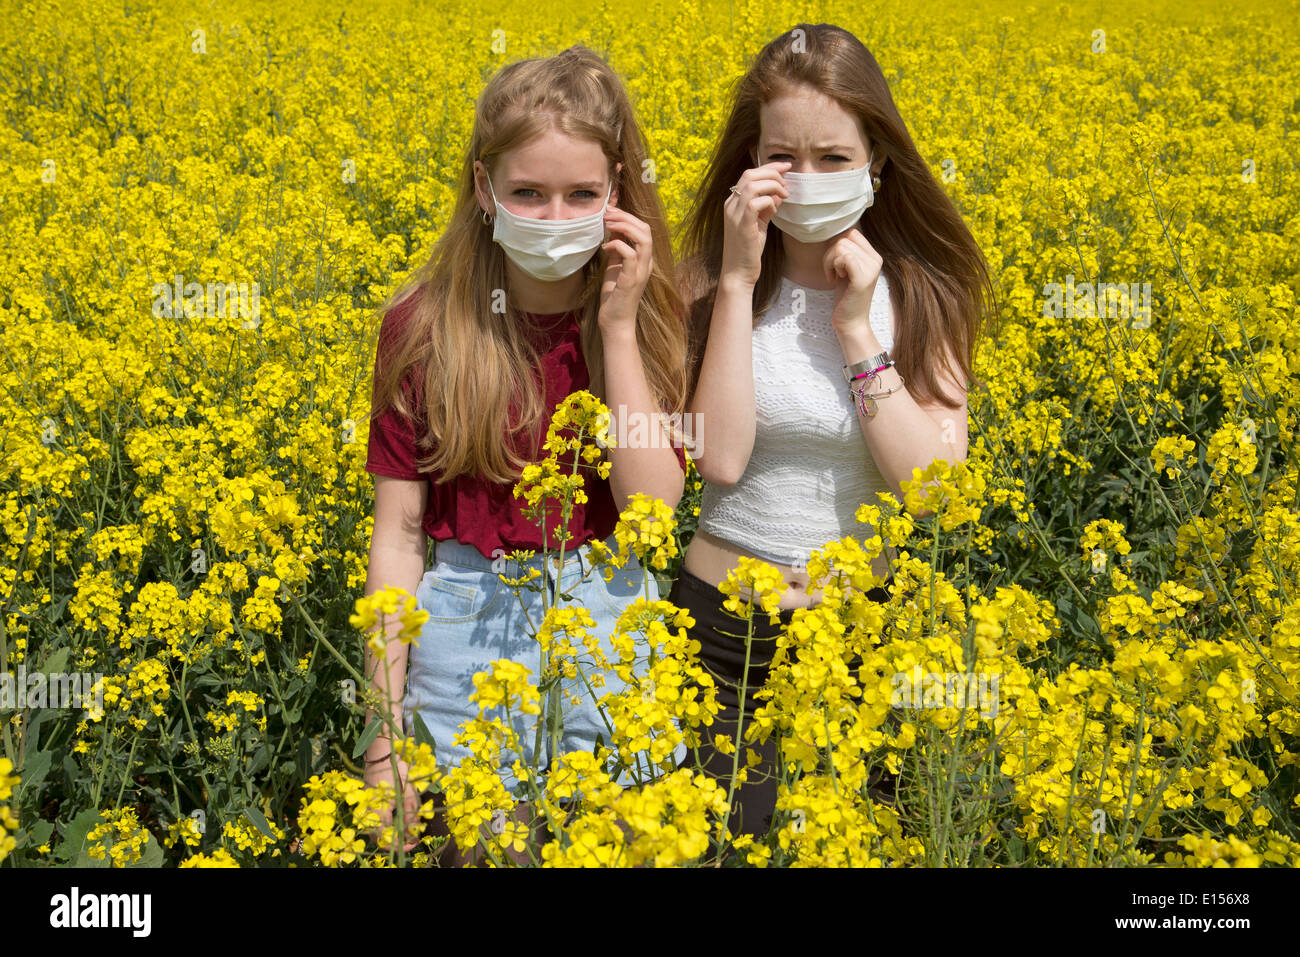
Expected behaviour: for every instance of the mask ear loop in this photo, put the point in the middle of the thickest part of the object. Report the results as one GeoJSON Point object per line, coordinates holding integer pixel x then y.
{"type": "Point", "coordinates": [875, 179]}
{"type": "Point", "coordinates": [487, 218]}
{"type": "Point", "coordinates": [605, 231]}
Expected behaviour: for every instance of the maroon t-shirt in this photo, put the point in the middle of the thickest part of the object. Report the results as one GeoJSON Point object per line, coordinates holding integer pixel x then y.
{"type": "Point", "coordinates": [469, 509]}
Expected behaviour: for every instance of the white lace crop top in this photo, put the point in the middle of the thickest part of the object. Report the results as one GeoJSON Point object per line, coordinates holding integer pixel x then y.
{"type": "Point", "coordinates": [811, 467]}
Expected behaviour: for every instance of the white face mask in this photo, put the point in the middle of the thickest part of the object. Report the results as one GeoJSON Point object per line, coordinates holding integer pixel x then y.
{"type": "Point", "coordinates": [549, 249]}
{"type": "Point", "coordinates": [823, 204]}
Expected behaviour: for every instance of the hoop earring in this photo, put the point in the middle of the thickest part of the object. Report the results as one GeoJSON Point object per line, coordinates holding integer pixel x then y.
{"type": "Point", "coordinates": [487, 220]}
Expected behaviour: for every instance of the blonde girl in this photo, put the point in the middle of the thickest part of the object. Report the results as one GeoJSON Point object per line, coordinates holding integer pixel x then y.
{"type": "Point", "coordinates": [552, 275]}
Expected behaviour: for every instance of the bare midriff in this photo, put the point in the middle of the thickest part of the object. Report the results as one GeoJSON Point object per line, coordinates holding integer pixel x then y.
{"type": "Point", "coordinates": [711, 559]}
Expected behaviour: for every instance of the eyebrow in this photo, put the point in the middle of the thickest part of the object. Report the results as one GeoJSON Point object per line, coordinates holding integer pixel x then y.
{"type": "Point", "coordinates": [533, 184]}
{"type": "Point", "coordinates": [816, 149]}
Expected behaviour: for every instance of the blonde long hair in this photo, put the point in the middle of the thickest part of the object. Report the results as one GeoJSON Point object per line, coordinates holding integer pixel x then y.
{"type": "Point", "coordinates": [475, 365]}
{"type": "Point", "coordinates": [937, 275]}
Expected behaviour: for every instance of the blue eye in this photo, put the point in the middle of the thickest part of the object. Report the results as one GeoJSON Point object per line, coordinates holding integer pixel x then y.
{"type": "Point", "coordinates": [529, 193]}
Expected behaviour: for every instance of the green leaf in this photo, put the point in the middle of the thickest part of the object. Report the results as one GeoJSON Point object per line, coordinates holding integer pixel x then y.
{"type": "Point", "coordinates": [260, 759]}
{"type": "Point", "coordinates": [422, 733]}
{"type": "Point", "coordinates": [259, 821]}
{"type": "Point", "coordinates": [34, 836]}
{"type": "Point", "coordinates": [367, 736]}
{"type": "Point", "coordinates": [35, 768]}
{"type": "Point", "coordinates": [302, 759]}
{"type": "Point", "coordinates": [57, 662]}
{"type": "Point", "coordinates": [55, 610]}
{"type": "Point", "coordinates": [38, 717]}
{"type": "Point", "coordinates": [206, 680]}
{"type": "Point", "coordinates": [74, 836]}
{"type": "Point", "coordinates": [151, 856]}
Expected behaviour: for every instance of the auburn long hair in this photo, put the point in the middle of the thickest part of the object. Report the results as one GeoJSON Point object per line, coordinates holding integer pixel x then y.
{"type": "Point", "coordinates": [475, 363]}
{"type": "Point", "coordinates": [937, 275]}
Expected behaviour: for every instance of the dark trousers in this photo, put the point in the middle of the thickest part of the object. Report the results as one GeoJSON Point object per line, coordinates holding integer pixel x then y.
{"type": "Point", "coordinates": [722, 655]}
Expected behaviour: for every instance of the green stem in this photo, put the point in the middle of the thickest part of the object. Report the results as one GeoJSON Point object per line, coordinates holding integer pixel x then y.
{"type": "Point", "coordinates": [740, 722]}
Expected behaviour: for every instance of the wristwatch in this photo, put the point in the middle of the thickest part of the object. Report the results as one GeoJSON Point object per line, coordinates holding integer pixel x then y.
{"type": "Point", "coordinates": [866, 365]}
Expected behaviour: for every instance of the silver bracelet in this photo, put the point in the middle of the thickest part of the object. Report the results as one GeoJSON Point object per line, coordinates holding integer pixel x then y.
{"type": "Point", "coordinates": [873, 364]}
{"type": "Point", "coordinates": [866, 401]}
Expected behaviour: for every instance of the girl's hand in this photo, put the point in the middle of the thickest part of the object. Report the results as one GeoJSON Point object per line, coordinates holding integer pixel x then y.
{"type": "Point", "coordinates": [854, 266]}
{"type": "Point", "coordinates": [747, 212]}
{"type": "Point", "coordinates": [628, 270]}
{"type": "Point", "coordinates": [383, 771]}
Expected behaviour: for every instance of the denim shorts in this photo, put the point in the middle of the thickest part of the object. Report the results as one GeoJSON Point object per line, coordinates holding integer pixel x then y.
{"type": "Point", "coordinates": [475, 619]}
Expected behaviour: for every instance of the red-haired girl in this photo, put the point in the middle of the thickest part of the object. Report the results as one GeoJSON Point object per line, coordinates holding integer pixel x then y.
{"type": "Point", "coordinates": [835, 294]}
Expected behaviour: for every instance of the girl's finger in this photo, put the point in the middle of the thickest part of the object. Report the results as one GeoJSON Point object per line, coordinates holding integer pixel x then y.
{"type": "Point", "coordinates": [632, 227]}
{"type": "Point", "coordinates": [855, 236]}
{"type": "Point", "coordinates": [841, 250]}
{"type": "Point", "coordinates": [622, 248]}
{"type": "Point", "coordinates": [623, 217]}
{"type": "Point", "coordinates": [768, 187]}
{"type": "Point", "coordinates": [772, 171]}
{"type": "Point", "coordinates": [620, 214]}
{"type": "Point", "coordinates": [760, 208]}
{"type": "Point", "coordinates": [764, 187]}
